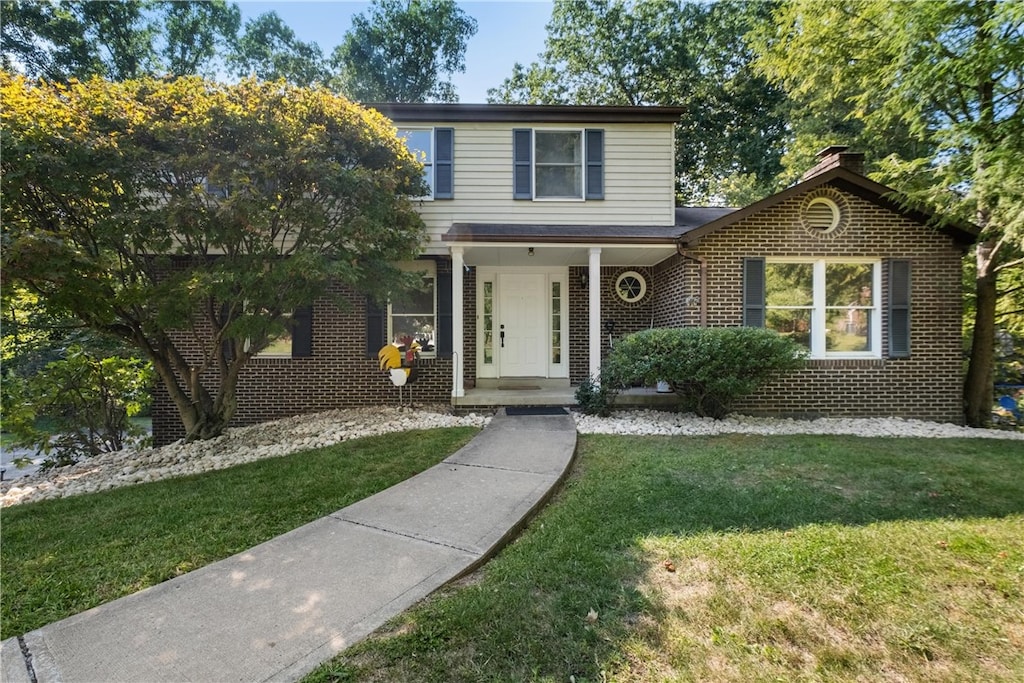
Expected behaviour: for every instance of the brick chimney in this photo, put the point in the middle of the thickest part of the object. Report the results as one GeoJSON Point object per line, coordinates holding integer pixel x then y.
{"type": "Point", "coordinates": [836, 156]}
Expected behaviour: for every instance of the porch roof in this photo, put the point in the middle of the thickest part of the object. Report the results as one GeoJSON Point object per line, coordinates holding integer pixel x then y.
{"type": "Point", "coordinates": [493, 244]}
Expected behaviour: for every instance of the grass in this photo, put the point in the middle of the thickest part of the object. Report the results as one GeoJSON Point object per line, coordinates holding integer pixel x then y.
{"type": "Point", "coordinates": [64, 556]}
{"type": "Point", "coordinates": [741, 558]}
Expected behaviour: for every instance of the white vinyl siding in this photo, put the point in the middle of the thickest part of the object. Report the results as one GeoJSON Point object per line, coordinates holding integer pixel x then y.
{"type": "Point", "coordinates": [638, 181]}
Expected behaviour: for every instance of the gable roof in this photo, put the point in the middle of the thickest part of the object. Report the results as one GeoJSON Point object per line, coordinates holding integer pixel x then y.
{"type": "Point", "coordinates": [841, 178]}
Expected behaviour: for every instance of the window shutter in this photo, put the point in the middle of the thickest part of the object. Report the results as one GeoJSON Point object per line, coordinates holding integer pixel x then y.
{"type": "Point", "coordinates": [753, 292]}
{"type": "Point", "coordinates": [444, 163]}
{"type": "Point", "coordinates": [374, 329]}
{"type": "Point", "coordinates": [444, 315]}
{"type": "Point", "coordinates": [595, 163]}
{"type": "Point", "coordinates": [302, 332]}
{"type": "Point", "coordinates": [522, 163]}
{"type": "Point", "coordinates": [899, 309]}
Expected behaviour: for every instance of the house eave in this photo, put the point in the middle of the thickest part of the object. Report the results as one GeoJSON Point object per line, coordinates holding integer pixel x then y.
{"type": "Point", "coordinates": [524, 113]}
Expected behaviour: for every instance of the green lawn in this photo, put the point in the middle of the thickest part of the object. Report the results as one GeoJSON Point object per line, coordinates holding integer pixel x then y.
{"type": "Point", "coordinates": [60, 557]}
{"type": "Point", "coordinates": [741, 558]}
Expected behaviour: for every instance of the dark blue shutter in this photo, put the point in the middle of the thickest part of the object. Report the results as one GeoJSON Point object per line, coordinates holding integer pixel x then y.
{"type": "Point", "coordinates": [595, 163]}
{"type": "Point", "coordinates": [444, 163]}
{"type": "Point", "coordinates": [753, 292]}
{"type": "Point", "coordinates": [374, 329]}
{"type": "Point", "coordinates": [522, 163]}
{"type": "Point", "coordinates": [899, 309]}
{"type": "Point", "coordinates": [302, 332]}
{"type": "Point", "coordinates": [444, 315]}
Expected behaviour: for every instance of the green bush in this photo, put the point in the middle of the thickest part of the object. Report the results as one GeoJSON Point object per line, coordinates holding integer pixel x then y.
{"type": "Point", "coordinates": [78, 406]}
{"type": "Point", "coordinates": [595, 397]}
{"type": "Point", "coordinates": [708, 368]}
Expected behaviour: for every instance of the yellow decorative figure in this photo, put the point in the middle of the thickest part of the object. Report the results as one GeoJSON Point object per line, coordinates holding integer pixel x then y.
{"type": "Point", "coordinates": [389, 357]}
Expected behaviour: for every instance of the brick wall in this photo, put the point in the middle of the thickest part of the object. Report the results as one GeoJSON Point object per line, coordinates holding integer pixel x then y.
{"type": "Point", "coordinates": [628, 318]}
{"type": "Point", "coordinates": [926, 386]}
{"type": "Point", "coordinates": [339, 374]}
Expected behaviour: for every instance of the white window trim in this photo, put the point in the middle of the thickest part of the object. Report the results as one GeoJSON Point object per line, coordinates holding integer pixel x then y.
{"type": "Point", "coordinates": [819, 318]}
{"type": "Point", "coordinates": [428, 165]}
{"type": "Point", "coordinates": [582, 165]}
{"type": "Point", "coordinates": [428, 269]}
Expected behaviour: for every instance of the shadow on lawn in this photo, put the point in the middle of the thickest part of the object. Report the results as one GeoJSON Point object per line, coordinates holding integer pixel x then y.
{"type": "Point", "coordinates": [562, 601]}
{"type": "Point", "coordinates": [670, 489]}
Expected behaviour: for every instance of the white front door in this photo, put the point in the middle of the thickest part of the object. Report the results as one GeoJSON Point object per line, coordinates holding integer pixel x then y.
{"type": "Point", "coordinates": [523, 324]}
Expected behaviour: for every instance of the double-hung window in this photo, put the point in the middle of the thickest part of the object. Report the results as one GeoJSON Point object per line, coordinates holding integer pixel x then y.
{"type": "Point", "coordinates": [434, 148]}
{"type": "Point", "coordinates": [829, 306]}
{"type": "Point", "coordinates": [414, 315]}
{"type": "Point", "coordinates": [558, 164]}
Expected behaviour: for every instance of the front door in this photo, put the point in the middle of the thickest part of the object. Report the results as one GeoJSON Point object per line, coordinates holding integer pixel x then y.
{"type": "Point", "coordinates": [522, 324]}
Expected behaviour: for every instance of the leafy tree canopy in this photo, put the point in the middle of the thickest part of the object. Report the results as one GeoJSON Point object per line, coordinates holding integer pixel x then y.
{"type": "Point", "coordinates": [667, 52]}
{"type": "Point", "coordinates": [940, 84]}
{"type": "Point", "coordinates": [269, 49]}
{"type": "Point", "coordinates": [148, 207]}
{"type": "Point", "coordinates": [401, 50]}
{"type": "Point", "coordinates": [116, 40]}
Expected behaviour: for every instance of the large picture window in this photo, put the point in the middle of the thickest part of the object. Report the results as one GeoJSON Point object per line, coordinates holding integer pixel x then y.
{"type": "Point", "coordinates": [830, 307]}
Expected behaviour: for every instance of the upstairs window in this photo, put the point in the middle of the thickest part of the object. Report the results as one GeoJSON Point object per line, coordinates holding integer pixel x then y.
{"type": "Point", "coordinates": [421, 144]}
{"type": "Point", "coordinates": [434, 148]}
{"type": "Point", "coordinates": [558, 168]}
{"type": "Point", "coordinates": [558, 164]}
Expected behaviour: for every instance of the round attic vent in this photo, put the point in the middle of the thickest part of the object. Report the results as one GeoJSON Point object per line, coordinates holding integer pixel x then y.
{"type": "Point", "coordinates": [822, 214]}
{"type": "Point", "coordinates": [825, 213]}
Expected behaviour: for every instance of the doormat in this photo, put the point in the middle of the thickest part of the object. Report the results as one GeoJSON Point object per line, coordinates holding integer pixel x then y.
{"type": "Point", "coordinates": [534, 410]}
{"type": "Point", "coordinates": [519, 387]}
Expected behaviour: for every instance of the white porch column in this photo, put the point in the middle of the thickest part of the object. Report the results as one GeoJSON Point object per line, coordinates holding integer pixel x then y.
{"type": "Point", "coordinates": [594, 279]}
{"type": "Point", "coordinates": [458, 343]}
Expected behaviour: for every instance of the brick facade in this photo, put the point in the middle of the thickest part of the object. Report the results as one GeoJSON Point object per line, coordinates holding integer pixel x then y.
{"type": "Point", "coordinates": [925, 386]}
{"type": "Point", "coordinates": [627, 318]}
{"type": "Point", "coordinates": [339, 374]}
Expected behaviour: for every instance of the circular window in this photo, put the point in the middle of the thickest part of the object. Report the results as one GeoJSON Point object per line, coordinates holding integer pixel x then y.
{"type": "Point", "coordinates": [825, 214]}
{"type": "Point", "coordinates": [630, 286]}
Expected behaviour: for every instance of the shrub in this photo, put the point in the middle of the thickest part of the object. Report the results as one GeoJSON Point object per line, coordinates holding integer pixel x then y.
{"type": "Point", "coordinates": [78, 406]}
{"type": "Point", "coordinates": [595, 397]}
{"type": "Point", "coordinates": [708, 368]}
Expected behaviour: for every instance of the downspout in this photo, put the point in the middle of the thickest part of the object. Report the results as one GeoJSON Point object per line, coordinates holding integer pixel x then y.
{"type": "Point", "coordinates": [702, 269]}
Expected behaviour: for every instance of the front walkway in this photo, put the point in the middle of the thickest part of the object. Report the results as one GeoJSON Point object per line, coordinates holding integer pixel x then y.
{"type": "Point", "coordinates": [277, 611]}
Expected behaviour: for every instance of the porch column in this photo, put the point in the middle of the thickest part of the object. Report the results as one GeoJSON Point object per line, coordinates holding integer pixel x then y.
{"type": "Point", "coordinates": [458, 306]}
{"type": "Point", "coordinates": [594, 330]}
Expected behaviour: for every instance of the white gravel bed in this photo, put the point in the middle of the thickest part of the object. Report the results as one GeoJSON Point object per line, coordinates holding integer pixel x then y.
{"type": "Point", "coordinates": [304, 432]}
{"type": "Point", "coordinates": [654, 422]}
{"type": "Point", "coordinates": [236, 446]}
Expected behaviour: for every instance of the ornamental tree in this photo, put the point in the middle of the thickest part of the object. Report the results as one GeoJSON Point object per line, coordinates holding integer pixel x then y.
{"type": "Point", "coordinates": [185, 212]}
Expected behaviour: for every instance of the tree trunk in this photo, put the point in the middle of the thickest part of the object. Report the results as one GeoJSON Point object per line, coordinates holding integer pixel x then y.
{"type": "Point", "coordinates": [978, 388]}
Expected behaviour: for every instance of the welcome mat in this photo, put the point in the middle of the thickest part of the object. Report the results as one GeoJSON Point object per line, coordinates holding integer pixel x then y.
{"type": "Point", "coordinates": [519, 387]}
{"type": "Point", "coordinates": [534, 410]}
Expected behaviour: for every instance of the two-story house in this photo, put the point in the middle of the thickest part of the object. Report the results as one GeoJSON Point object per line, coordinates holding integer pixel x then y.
{"type": "Point", "coordinates": [554, 231]}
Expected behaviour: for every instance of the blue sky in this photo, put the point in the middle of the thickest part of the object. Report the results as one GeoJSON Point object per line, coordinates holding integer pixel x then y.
{"type": "Point", "coordinates": [507, 32]}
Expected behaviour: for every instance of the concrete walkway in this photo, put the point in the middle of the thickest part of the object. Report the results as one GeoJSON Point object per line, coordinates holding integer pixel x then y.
{"type": "Point", "coordinates": [275, 612]}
